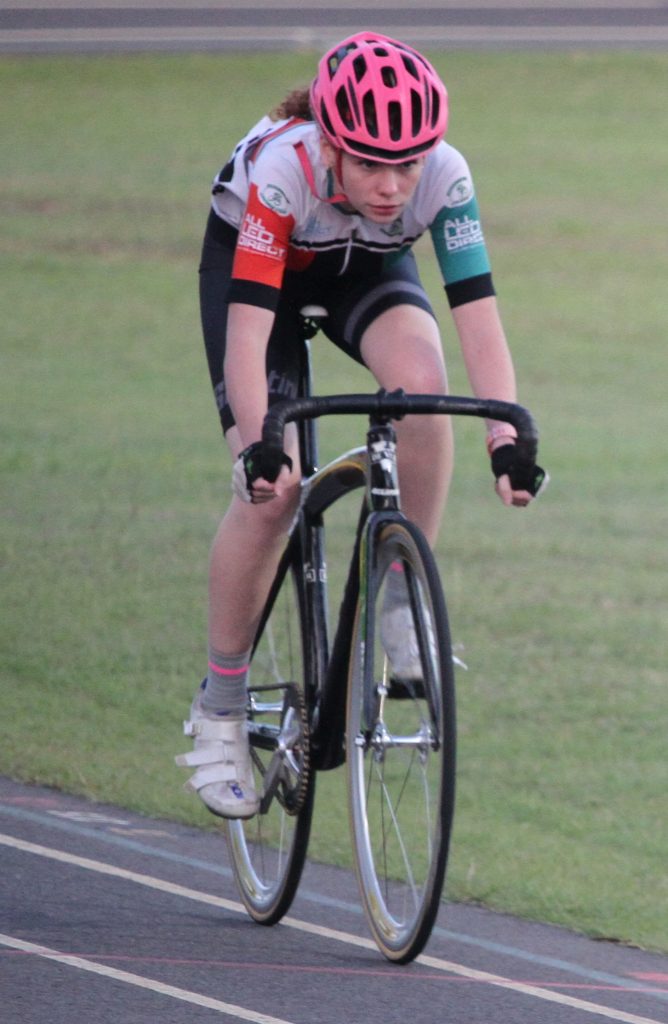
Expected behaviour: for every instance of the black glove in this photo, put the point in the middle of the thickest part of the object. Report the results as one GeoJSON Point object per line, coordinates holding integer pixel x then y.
{"type": "Point", "coordinates": [523, 476]}
{"type": "Point", "coordinates": [251, 460]}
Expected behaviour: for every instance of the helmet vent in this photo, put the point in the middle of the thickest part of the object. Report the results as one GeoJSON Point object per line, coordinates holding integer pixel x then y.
{"type": "Point", "coordinates": [370, 115]}
{"type": "Point", "coordinates": [435, 107]}
{"type": "Point", "coordinates": [336, 58]}
{"type": "Point", "coordinates": [359, 67]}
{"type": "Point", "coordinates": [416, 111]}
{"type": "Point", "coordinates": [354, 106]}
{"type": "Point", "coordinates": [394, 116]}
{"type": "Point", "coordinates": [324, 117]}
{"type": "Point", "coordinates": [343, 108]}
{"type": "Point", "coordinates": [410, 66]}
{"type": "Point", "coordinates": [389, 76]}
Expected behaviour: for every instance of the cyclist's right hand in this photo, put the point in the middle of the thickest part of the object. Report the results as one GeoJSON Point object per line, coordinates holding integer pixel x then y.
{"type": "Point", "coordinates": [247, 481]}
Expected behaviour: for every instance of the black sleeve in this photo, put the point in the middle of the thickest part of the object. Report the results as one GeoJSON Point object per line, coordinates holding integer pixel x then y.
{"type": "Point", "coordinates": [470, 289]}
{"type": "Point", "coordinates": [253, 293]}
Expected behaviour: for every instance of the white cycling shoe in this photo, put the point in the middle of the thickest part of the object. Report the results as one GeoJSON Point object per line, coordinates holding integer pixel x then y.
{"type": "Point", "coordinates": [224, 777]}
{"type": "Point", "coordinates": [397, 634]}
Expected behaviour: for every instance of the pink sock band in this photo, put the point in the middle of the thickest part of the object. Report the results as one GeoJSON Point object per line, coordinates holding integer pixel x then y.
{"type": "Point", "coordinates": [228, 671]}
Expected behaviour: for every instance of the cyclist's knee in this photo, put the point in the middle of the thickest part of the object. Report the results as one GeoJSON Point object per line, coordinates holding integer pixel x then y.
{"type": "Point", "coordinates": [423, 370]}
{"type": "Point", "coordinates": [402, 348]}
{"type": "Point", "coordinates": [425, 376]}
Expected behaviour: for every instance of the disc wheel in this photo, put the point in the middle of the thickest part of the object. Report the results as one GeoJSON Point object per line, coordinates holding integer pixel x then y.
{"type": "Point", "coordinates": [401, 741]}
{"type": "Point", "coordinates": [268, 851]}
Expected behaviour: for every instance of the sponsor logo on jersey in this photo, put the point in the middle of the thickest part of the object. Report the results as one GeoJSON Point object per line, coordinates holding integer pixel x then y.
{"type": "Point", "coordinates": [395, 228]}
{"type": "Point", "coordinates": [255, 236]}
{"type": "Point", "coordinates": [274, 198]}
{"type": "Point", "coordinates": [221, 395]}
{"type": "Point", "coordinates": [460, 192]}
{"type": "Point", "coordinates": [315, 228]}
{"type": "Point", "coordinates": [280, 384]}
{"type": "Point", "coordinates": [462, 233]}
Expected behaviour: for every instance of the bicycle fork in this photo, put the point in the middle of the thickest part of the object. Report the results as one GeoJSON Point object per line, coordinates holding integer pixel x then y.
{"type": "Point", "coordinates": [328, 738]}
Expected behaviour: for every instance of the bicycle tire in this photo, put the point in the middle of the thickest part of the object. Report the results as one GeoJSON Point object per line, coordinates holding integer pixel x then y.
{"type": "Point", "coordinates": [401, 748]}
{"type": "Point", "coordinates": [269, 850]}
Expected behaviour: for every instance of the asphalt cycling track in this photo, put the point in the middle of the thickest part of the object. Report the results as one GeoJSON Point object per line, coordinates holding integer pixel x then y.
{"type": "Point", "coordinates": [108, 916]}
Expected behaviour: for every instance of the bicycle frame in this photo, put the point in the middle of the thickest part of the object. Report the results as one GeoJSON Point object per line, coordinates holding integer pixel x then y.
{"type": "Point", "coordinates": [373, 466]}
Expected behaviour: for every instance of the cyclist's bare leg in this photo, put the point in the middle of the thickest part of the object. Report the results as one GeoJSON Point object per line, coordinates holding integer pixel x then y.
{"type": "Point", "coordinates": [244, 557]}
{"type": "Point", "coordinates": [402, 348]}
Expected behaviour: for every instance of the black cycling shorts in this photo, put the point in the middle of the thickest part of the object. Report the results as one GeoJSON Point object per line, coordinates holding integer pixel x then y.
{"type": "Point", "coordinates": [352, 303]}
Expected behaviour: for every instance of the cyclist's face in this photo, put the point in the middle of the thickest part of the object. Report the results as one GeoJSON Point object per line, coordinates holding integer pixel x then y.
{"type": "Point", "coordinates": [378, 191]}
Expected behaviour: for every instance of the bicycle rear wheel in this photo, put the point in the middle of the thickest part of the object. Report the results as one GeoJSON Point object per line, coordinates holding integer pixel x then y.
{"type": "Point", "coordinates": [269, 850]}
{"type": "Point", "coordinates": [401, 744]}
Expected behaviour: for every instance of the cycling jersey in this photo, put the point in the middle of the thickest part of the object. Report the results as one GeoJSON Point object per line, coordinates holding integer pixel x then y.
{"type": "Point", "coordinates": [279, 196]}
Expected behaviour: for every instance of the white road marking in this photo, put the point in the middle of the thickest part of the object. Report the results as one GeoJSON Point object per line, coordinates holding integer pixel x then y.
{"type": "Point", "coordinates": [140, 982]}
{"type": "Point", "coordinates": [129, 876]}
{"type": "Point", "coordinates": [89, 817]}
{"type": "Point", "coordinates": [331, 934]}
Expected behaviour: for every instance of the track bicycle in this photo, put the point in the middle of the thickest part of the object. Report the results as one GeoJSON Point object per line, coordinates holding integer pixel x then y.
{"type": "Point", "coordinates": [313, 705]}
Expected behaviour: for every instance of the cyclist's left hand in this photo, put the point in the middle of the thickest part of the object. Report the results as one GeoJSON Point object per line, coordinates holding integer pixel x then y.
{"type": "Point", "coordinates": [504, 489]}
{"type": "Point", "coordinates": [516, 483]}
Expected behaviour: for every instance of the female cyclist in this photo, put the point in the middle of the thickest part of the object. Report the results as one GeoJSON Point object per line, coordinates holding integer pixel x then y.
{"type": "Point", "coordinates": [321, 203]}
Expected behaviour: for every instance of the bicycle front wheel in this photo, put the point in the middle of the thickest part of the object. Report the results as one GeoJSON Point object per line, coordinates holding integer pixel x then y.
{"type": "Point", "coordinates": [401, 740]}
{"type": "Point", "coordinates": [269, 850]}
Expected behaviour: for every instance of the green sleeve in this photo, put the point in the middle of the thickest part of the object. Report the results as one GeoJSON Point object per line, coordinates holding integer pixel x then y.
{"type": "Point", "coordinates": [459, 242]}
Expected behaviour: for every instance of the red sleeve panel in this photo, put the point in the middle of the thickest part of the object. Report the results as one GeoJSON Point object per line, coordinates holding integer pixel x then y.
{"type": "Point", "coordinates": [262, 248]}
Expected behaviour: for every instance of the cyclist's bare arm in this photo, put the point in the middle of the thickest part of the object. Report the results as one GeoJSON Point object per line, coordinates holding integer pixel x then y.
{"type": "Point", "coordinates": [490, 370]}
{"type": "Point", "coordinates": [248, 333]}
{"type": "Point", "coordinates": [248, 330]}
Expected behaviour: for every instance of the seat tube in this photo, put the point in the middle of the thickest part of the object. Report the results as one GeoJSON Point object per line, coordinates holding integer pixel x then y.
{"type": "Point", "coordinates": [308, 432]}
{"type": "Point", "coordinates": [314, 581]}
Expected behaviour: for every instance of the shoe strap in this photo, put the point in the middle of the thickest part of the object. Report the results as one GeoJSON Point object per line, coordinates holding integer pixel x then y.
{"type": "Point", "coordinates": [214, 773]}
{"type": "Point", "coordinates": [212, 753]}
{"type": "Point", "coordinates": [229, 730]}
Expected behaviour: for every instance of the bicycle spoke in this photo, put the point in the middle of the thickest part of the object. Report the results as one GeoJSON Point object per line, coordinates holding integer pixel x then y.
{"type": "Point", "coordinates": [268, 851]}
{"type": "Point", "coordinates": [401, 742]}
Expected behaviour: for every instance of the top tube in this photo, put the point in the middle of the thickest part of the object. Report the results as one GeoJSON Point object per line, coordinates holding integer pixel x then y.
{"type": "Point", "coordinates": [393, 405]}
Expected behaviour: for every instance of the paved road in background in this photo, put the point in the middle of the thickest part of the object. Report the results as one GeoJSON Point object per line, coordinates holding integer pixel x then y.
{"type": "Point", "coordinates": [54, 26]}
{"type": "Point", "coordinates": [109, 917]}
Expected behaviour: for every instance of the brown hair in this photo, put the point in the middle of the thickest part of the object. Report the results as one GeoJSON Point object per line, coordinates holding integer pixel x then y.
{"type": "Point", "coordinates": [295, 104]}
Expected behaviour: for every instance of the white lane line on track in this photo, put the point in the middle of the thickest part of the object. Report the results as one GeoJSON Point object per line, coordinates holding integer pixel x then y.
{"type": "Point", "coordinates": [150, 881]}
{"type": "Point", "coordinates": [312, 36]}
{"type": "Point", "coordinates": [138, 981]}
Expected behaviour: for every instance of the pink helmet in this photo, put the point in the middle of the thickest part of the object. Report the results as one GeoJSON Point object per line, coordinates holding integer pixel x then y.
{"type": "Point", "coordinates": [376, 97]}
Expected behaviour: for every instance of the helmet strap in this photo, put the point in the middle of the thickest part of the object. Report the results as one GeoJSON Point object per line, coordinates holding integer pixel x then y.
{"type": "Point", "coordinates": [307, 168]}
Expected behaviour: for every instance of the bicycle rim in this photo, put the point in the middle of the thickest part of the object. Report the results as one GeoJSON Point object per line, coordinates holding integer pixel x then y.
{"type": "Point", "coordinates": [401, 747]}
{"type": "Point", "coordinates": [269, 850]}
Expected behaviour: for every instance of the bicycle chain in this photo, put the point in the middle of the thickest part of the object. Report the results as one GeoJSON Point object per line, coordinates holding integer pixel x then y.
{"type": "Point", "coordinates": [293, 800]}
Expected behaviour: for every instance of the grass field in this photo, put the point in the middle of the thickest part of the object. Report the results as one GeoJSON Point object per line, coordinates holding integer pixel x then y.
{"type": "Point", "coordinates": [113, 473]}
